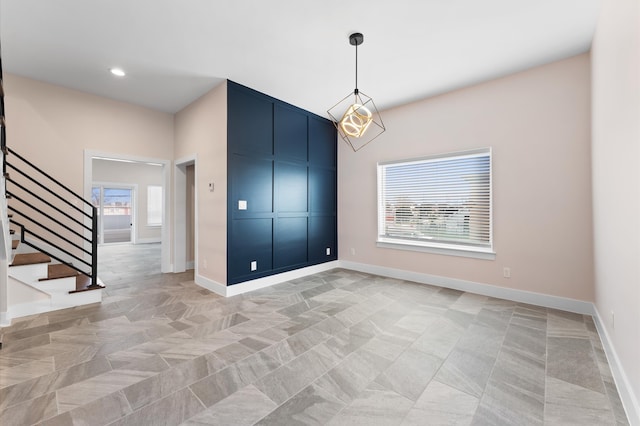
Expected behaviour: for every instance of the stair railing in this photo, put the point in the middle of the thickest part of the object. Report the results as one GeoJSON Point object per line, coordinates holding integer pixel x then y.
{"type": "Point", "coordinates": [6, 248]}
{"type": "Point", "coordinates": [41, 218]}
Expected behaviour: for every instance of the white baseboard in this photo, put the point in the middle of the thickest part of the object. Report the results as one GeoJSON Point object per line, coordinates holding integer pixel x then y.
{"type": "Point", "coordinates": [148, 240]}
{"type": "Point", "coordinates": [259, 283]}
{"type": "Point", "coordinates": [522, 296]}
{"type": "Point", "coordinates": [628, 397]}
{"type": "Point", "coordinates": [211, 285]}
{"type": "Point", "coordinates": [5, 319]}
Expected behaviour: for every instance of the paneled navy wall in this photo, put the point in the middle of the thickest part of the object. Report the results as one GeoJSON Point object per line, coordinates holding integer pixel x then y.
{"type": "Point", "coordinates": [282, 193]}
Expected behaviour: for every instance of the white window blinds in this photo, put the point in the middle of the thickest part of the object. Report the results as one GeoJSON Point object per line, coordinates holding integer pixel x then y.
{"type": "Point", "coordinates": [437, 201]}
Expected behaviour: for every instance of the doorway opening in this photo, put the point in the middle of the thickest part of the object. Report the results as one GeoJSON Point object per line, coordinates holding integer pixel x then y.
{"type": "Point", "coordinates": [150, 220]}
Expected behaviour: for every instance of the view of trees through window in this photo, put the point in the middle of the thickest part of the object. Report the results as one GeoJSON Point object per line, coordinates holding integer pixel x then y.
{"type": "Point", "coordinates": [114, 206]}
{"type": "Point", "coordinates": [116, 201]}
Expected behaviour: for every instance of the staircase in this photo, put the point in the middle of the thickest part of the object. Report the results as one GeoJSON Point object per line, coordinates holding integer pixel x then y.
{"type": "Point", "coordinates": [48, 239]}
{"type": "Point", "coordinates": [37, 285]}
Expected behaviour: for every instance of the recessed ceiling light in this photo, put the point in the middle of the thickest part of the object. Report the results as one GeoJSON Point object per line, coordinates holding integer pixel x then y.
{"type": "Point", "coordinates": [117, 72]}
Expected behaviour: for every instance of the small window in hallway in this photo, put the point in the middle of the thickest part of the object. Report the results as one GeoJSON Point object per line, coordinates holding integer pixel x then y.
{"type": "Point", "coordinates": [154, 205]}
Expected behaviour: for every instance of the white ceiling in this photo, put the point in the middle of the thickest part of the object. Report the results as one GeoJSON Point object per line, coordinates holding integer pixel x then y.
{"type": "Point", "coordinates": [295, 50]}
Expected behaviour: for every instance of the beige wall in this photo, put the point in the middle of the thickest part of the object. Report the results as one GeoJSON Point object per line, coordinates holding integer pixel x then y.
{"type": "Point", "coordinates": [52, 126]}
{"type": "Point", "coordinates": [139, 174]}
{"type": "Point", "coordinates": [616, 180]}
{"type": "Point", "coordinates": [537, 123]}
{"type": "Point", "coordinates": [201, 130]}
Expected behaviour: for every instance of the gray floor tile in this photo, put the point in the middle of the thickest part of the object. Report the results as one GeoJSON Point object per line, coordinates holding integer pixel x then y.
{"type": "Point", "coordinates": [439, 338]}
{"type": "Point", "coordinates": [242, 408]}
{"type": "Point", "coordinates": [410, 373]}
{"type": "Point", "coordinates": [573, 360]}
{"type": "Point", "coordinates": [289, 379]}
{"type": "Point", "coordinates": [570, 404]}
{"type": "Point", "coordinates": [104, 410]}
{"type": "Point", "coordinates": [374, 407]}
{"type": "Point", "coordinates": [338, 347]}
{"type": "Point", "coordinates": [311, 406]}
{"type": "Point", "coordinates": [346, 380]}
{"type": "Point", "coordinates": [441, 404]}
{"type": "Point", "coordinates": [470, 363]}
{"type": "Point", "coordinates": [171, 410]}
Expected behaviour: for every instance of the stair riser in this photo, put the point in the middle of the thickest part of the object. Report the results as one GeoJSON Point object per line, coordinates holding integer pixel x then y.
{"type": "Point", "coordinates": [82, 298]}
{"type": "Point", "coordinates": [29, 273]}
{"type": "Point", "coordinates": [59, 284]}
{"type": "Point", "coordinates": [62, 302]}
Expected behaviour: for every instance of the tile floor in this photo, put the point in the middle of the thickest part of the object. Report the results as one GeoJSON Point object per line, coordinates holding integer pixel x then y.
{"type": "Point", "coordinates": [336, 348]}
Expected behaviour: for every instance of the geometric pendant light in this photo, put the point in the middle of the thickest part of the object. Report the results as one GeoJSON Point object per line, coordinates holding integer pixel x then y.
{"type": "Point", "coordinates": [356, 117]}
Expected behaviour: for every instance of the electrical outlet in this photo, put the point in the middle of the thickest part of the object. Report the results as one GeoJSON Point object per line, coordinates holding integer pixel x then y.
{"type": "Point", "coordinates": [254, 265]}
{"type": "Point", "coordinates": [328, 251]}
{"type": "Point", "coordinates": [242, 204]}
{"type": "Point", "coordinates": [204, 263]}
{"type": "Point", "coordinates": [506, 272]}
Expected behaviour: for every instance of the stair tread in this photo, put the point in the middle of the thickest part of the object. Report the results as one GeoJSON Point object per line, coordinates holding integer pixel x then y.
{"type": "Point", "coordinates": [59, 270]}
{"type": "Point", "coordinates": [15, 244]}
{"type": "Point", "coordinates": [21, 259]}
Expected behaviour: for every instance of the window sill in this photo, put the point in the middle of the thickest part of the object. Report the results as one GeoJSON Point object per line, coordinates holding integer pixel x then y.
{"type": "Point", "coordinates": [444, 249]}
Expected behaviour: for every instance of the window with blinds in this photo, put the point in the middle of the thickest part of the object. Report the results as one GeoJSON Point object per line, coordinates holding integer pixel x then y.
{"type": "Point", "coordinates": [441, 201]}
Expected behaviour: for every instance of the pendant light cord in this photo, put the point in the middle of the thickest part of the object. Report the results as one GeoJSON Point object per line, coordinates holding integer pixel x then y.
{"type": "Point", "coordinates": [356, 91]}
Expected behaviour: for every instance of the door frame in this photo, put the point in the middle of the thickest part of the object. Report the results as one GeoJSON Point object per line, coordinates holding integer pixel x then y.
{"type": "Point", "coordinates": [179, 216]}
{"type": "Point", "coordinates": [165, 244]}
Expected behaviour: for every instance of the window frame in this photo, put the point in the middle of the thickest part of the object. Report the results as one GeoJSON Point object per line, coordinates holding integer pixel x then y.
{"type": "Point", "coordinates": [446, 248]}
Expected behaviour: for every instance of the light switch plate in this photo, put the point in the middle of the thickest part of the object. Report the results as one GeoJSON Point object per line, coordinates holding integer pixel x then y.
{"type": "Point", "coordinates": [254, 265]}
{"type": "Point", "coordinates": [328, 251]}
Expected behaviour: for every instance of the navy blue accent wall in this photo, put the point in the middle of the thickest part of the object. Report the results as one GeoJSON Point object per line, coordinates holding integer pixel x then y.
{"type": "Point", "coordinates": [282, 186]}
